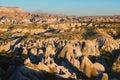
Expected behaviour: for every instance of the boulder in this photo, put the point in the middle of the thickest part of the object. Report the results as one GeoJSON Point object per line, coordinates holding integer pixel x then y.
{"type": "Point", "coordinates": [105, 76]}
{"type": "Point", "coordinates": [25, 51]}
{"type": "Point", "coordinates": [107, 44]}
{"type": "Point", "coordinates": [85, 66]}
{"type": "Point", "coordinates": [27, 61]}
{"type": "Point", "coordinates": [42, 67]}
{"type": "Point", "coordinates": [116, 65]}
{"type": "Point", "coordinates": [5, 46]}
{"type": "Point", "coordinates": [33, 51]}
{"type": "Point", "coordinates": [63, 72]}
{"type": "Point", "coordinates": [67, 52]}
{"type": "Point", "coordinates": [90, 69]}
{"type": "Point", "coordinates": [50, 50]}
{"type": "Point", "coordinates": [90, 48]}
{"type": "Point", "coordinates": [99, 67]}
{"type": "Point", "coordinates": [77, 51]}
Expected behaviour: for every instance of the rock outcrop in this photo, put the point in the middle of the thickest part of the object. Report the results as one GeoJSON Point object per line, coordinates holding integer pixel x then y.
{"type": "Point", "coordinates": [65, 59]}
{"type": "Point", "coordinates": [116, 65]}
{"type": "Point", "coordinates": [107, 44]}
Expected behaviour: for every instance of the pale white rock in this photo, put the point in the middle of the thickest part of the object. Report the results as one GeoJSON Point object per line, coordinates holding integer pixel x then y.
{"type": "Point", "coordinates": [99, 67]}
{"type": "Point", "coordinates": [67, 52]}
{"type": "Point", "coordinates": [33, 51]}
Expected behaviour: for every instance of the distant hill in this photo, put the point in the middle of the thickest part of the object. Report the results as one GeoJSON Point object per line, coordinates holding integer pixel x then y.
{"type": "Point", "coordinates": [13, 13]}
{"type": "Point", "coordinates": [16, 15]}
{"type": "Point", "coordinates": [10, 9]}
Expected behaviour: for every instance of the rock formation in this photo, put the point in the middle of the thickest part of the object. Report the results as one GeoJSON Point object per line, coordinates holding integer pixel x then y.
{"type": "Point", "coordinates": [53, 47]}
